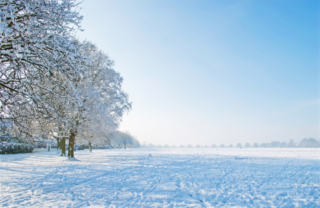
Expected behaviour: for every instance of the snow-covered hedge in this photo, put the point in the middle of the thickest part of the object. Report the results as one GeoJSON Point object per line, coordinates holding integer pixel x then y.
{"type": "Point", "coordinates": [14, 148]}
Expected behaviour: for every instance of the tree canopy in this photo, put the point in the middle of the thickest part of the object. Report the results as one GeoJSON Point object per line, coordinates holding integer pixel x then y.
{"type": "Point", "coordinates": [50, 82]}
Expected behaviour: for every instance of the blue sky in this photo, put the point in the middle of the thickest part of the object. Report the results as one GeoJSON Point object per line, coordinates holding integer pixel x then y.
{"type": "Point", "coordinates": [212, 72]}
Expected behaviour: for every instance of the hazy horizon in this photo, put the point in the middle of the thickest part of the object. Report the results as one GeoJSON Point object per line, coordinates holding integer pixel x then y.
{"type": "Point", "coordinates": [212, 72]}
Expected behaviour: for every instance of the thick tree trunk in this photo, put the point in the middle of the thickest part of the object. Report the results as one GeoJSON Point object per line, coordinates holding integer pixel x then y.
{"type": "Point", "coordinates": [63, 147]}
{"type": "Point", "coordinates": [90, 146]}
{"type": "Point", "coordinates": [71, 144]}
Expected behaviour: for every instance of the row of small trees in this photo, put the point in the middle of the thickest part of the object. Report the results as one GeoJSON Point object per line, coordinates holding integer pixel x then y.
{"type": "Point", "coordinates": [310, 142]}
{"type": "Point", "coordinates": [306, 142]}
{"type": "Point", "coordinates": [52, 84]}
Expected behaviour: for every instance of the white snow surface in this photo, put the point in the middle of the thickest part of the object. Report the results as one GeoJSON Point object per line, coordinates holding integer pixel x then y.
{"type": "Point", "coordinates": [163, 178]}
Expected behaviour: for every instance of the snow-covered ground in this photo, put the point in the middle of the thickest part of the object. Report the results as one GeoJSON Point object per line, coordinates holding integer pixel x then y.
{"type": "Point", "coordinates": [163, 178]}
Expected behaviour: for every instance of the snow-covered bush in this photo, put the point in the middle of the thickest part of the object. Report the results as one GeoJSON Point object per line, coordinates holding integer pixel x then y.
{"type": "Point", "coordinates": [13, 145]}
{"type": "Point", "coordinates": [14, 148]}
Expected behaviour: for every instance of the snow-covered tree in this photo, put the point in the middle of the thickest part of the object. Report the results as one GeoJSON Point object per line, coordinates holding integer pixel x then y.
{"type": "Point", "coordinates": [38, 58]}
{"type": "Point", "coordinates": [124, 139]}
{"type": "Point", "coordinates": [104, 101]}
{"type": "Point", "coordinates": [292, 143]}
{"type": "Point", "coordinates": [311, 142]}
{"type": "Point", "coordinates": [65, 87]}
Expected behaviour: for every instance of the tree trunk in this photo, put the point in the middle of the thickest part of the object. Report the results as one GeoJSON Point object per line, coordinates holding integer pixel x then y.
{"type": "Point", "coordinates": [109, 142]}
{"type": "Point", "coordinates": [63, 147]}
{"type": "Point", "coordinates": [71, 144]}
{"type": "Point", "coordinates": [90, 146]}
{"type": "Point", "coordinates": [58, 144]}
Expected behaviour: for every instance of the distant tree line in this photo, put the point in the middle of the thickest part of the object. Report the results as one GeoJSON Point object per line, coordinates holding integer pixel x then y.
{"type": "Point", "coordinates": [306, 142]}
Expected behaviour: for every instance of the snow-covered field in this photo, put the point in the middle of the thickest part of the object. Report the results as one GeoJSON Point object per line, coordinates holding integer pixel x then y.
{"type": "Point", "coordinates": [163, 178]}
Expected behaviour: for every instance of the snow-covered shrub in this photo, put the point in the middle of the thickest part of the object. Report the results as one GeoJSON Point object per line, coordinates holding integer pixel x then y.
{"type": "Point", "coordinates": [14, 148]}
{"type": "Point", "coordinates": [13, 145]}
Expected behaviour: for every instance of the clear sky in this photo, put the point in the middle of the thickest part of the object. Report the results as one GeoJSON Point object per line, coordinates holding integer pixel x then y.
{"type": "Point", "coordinates": [210, 72]}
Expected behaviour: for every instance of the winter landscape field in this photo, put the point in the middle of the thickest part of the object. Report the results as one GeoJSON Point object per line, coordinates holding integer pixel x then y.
{"type": "Point", "coordinates": [163, 178]}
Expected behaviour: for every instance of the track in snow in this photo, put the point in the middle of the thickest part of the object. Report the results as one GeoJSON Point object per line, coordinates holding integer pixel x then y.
{"type": "Point", "coordinates": [169, 178]}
